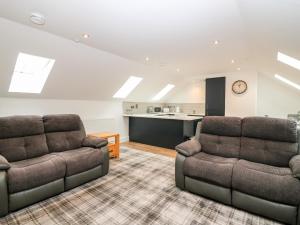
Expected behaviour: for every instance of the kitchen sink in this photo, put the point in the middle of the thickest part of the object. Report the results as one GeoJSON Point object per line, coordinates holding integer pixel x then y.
{"type": "Point", "coordinates": [167, 114]}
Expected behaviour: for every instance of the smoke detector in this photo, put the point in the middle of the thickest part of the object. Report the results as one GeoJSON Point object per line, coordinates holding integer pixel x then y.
{"type": "Point", "coordinates": [37, 18]}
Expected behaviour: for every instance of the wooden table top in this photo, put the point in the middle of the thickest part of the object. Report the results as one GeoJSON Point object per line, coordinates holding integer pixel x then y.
{"type": "Point", "coordinates": [104, 134]}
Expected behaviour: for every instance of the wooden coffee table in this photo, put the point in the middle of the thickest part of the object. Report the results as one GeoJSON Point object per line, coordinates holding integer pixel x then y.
{"type": "Point", "coordinates": [113, 145]}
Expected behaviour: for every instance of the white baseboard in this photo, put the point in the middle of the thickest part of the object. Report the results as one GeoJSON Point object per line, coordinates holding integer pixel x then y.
{"type": "Point", "coordinates": [124, 139]}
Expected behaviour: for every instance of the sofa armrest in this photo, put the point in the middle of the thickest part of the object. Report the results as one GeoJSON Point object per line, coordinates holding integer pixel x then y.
{"type": "Point", "coordinates": [4, 164]}
{"type": "Point", "coordinates": [94, 142]}
{"type": "Point", "coordinates": [295, 166]}
{"type": "Point", "coordinates": [189, 148]}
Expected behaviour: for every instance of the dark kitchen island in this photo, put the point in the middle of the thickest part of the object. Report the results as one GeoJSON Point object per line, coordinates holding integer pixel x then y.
{"type": "Point", "coordinates": [163, 130]}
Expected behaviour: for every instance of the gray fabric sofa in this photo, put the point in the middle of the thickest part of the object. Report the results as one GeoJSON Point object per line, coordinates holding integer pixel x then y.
{"type": "Point", "coordinates": [251, 163]}
{"type": "Point", "coordinates": [43, 156]}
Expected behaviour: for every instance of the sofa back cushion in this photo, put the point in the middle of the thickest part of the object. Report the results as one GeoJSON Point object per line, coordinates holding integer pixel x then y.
{"type": "Point", "coordinates": [64, 132]}
{"type": "Point", "coordinates": [221, 136]}
{"type": "Point", "coordinates": [268, 140]}
{"type": "Point", "coordinates": [22, 137]}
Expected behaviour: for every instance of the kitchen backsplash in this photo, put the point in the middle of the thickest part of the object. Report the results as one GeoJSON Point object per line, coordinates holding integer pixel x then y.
{"type": "Point", "coordinates": [141, 107]}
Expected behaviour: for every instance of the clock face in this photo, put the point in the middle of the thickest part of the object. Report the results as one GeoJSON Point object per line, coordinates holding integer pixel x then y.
{"type": "Point", "coordinates": [239, 87]}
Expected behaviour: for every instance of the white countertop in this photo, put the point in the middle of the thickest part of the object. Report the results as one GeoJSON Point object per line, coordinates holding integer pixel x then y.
{"type": "Point", "coordinates": [174, 116]}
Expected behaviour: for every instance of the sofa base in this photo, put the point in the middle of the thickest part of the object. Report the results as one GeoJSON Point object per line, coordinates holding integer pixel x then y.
{"type": "Point", "coordinates": [84, 177]}
{"type": "Point", "coordinates": [179, 176]}
{"type": "Point", "coordinates": [24, 198]}
{"type": "Point", "coordinates": [208, 190]}
{"type": "Point", "coordinates": [272, 210]}
{"type": "Point", "coordinates": [3, 194]}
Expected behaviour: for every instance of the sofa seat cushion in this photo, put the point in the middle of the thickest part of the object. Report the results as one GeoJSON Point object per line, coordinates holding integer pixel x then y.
{"type": "Point", "coordinates": [81, 159]}
{"type": "Point", "coordinates": [268, 182]}
{"type": "Point", "coordinates": [31, 173]}
{"type": "Point", "coordinates": [210, 168]}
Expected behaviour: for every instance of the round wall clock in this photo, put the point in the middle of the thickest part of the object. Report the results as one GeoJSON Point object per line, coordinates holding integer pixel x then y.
{"type": "Point", "coordinates": [239, 87]}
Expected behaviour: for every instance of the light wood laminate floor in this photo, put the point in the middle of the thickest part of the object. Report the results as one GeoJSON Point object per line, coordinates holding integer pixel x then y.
{"type": "Point", "coordinates": [150, 148]}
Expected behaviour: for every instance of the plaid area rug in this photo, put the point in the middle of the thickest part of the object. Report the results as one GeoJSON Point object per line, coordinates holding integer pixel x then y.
{"type": "Point", "coordinates": [139, 189]}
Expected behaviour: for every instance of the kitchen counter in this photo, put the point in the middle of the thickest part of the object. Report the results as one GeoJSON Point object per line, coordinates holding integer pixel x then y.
{"type": "Point", "coordinates": [162, 129]}
{"type": "Point", "coordinates": [170, 116]}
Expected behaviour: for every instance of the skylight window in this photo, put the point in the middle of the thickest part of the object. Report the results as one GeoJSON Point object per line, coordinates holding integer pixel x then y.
{"type": "Point", "coordinates": [30, 73]}
{"type": "Point", "coordinates": [163, 92]}
{"type": "Point", "coordinates": [288, 60]}
{"type": "Point", "coordinates": [128, 87]}
{"type": "Point", "coordinates": [291, 83]}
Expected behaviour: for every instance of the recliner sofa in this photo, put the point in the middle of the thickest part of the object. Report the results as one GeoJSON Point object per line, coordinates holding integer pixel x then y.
{"type": "Point", "coordinates": [43, 156]}
{"type": "Point", "coordinates": [251, 163]}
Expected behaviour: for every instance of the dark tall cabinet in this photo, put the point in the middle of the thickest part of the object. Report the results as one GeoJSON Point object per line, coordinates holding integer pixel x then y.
{"type": "Point", "coordinates": [215, 97]}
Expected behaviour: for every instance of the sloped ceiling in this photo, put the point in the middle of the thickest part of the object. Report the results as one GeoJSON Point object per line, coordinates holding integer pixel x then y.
{"type": "Point", "coordinates": [272, 26]}
{"type": "Point", "coordinates": [172, 33]}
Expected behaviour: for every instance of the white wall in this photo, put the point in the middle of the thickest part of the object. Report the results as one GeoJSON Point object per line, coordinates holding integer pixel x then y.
{"type": "Point", "coordinates": [275, 98]}
{"type": "Point", "coordinates": [265, 95]}
{"type": "Point", "coordinates": [97, 116]}
{"type": "Point", "coordinates": [243, 104]}
{"type": "Point", "coordinates": [192, 92]}
{"type": "Point", "coordinates": [235, 105]}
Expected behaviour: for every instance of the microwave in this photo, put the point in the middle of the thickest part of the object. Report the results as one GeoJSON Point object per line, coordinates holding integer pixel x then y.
{"type": "Point", "coordinates": [157, 109]}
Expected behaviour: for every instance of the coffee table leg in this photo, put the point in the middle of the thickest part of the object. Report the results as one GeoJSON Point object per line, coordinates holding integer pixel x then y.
{"type": "Point", "coordinates": [117, 142]}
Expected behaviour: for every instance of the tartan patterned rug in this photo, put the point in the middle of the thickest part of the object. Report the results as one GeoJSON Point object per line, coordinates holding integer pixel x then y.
{"type": "Point", "coordinates": [139, 189]}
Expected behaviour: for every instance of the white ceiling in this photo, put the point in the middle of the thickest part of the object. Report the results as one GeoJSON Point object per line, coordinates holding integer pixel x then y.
{"type": "Point", "coordinates": [172, 33]}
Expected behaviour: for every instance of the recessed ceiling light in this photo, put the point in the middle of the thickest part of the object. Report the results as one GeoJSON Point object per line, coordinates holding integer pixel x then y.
{"type": "Point", "coordinates": [216, 42]}
{"type": "Point", "coordinates": [86, 36]}
{"type": "Point", "coordinates": [238, 68]}
{"type": "Point", "coordinates": [177, 70]}
{"type": "Point", "coordinates": [128, 87]}
{"type": "Point", "coordinates": [232, 61]}
{"type": "Point", "coordinates": [283, 79]}
{"type": "Point", "coordinates": [76, 40]}
{"type": "Point", "coordinates": [147, 59]}
{"type": "Point", "coordinates": [288, 60]}
{"type": "Point", "coordinates": [37, 18]}
{"type": "Point", "coordinates": [163, 92]}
